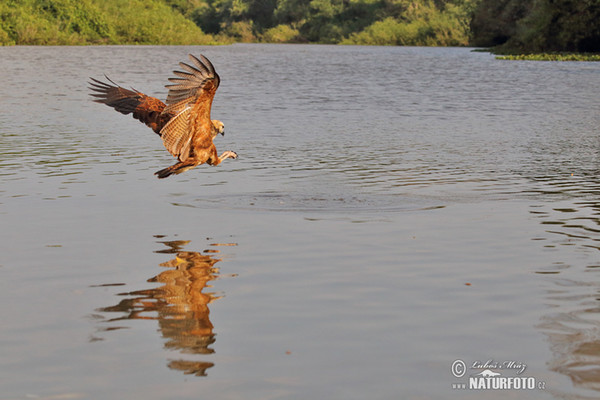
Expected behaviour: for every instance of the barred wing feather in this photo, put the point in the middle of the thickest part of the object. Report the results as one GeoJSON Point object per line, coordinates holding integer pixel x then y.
{"type": "Point", "coordinates": [198, 82]}
{"type": "Point", "coordinates": [177, 136]}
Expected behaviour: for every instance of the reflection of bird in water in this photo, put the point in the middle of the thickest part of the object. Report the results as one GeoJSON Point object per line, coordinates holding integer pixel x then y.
{"type": "Point", "coordinates": [184, 122]}
{"type": "Point", "coordinates": [179, 305]}
{"type": "Point", "coordinates": [186, 319]}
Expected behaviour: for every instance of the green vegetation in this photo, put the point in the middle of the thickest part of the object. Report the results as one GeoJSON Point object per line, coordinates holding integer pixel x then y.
{"type": "Point", "coordinates": [552, 57]}
{"type": "Point", "coordinates": [537, 26]}
{"type": "Point", "coordinates": [419, 24]}
{"type": "Point", "coordinates": [390, 22]}
{"type": "Point", "coordinates": [57, 22]}
{"type": "Point", "coordinates": [386, 22]}
{"type": "Point", "coordinates": [518, 28]}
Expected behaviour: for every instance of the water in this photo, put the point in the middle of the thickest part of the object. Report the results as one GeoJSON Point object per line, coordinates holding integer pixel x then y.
{"type": "Point", "coordinates": [392, 210]}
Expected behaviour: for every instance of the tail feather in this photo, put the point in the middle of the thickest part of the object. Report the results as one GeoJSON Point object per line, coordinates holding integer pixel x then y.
{"type": "Point", "coordinates": [175, 169]}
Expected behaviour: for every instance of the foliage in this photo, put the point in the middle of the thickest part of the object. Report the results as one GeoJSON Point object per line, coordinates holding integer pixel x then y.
{"type": "Point", "coordinates": [494, 22]}
{"type": "Point", "coordinates": [51, 22]}
{"type": "Point", "coordinates": [415, 22]}
{"type": "Point", "coordinates": [281, 34]}
{"type": "Point", "coordinates": [185, 7]}
{"type": "Point", "coordinates": [234, 16]}
{"type": "Point", "coordinates": [410, 22]}
{"type": "Point", "coordinates": [512, 26]}
{"type": "Point", "coordinates": [537, 26]}
{"type": "Point", "coordinates": [57, 22]}
{"type": "Point", "coordinates": [150, 22]}
{"type": "Point", "coordinates": [425, 25]}
{"type": "Point", "coordinates": [240, 31]}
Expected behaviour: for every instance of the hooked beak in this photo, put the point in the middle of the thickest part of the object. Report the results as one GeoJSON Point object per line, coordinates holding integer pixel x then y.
{"type": "Point", "coordinates": [222, 133]}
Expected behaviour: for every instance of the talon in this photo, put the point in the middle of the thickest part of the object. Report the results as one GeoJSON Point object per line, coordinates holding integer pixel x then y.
{"type": "Point", "coordinates": [226, 155]}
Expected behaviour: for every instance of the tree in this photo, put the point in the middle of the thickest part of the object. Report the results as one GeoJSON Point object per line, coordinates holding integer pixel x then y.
{"type": "Point", "coordinates": [537, 25]}
{"type": "Point", "coordinates": [494, 22]}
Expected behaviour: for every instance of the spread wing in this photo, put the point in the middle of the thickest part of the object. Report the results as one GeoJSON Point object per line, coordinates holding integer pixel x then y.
{"type": "Point", "coordinates": [146, 109]}
{"type": "Point", "coordinates": [190, 98]}
{"type": "Point", "coordinates": [196, 85]}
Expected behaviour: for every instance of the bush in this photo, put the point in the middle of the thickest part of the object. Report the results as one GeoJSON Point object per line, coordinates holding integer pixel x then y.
{"type": "Point", "coordinates": [494, 21]}
{"type": "Point", "coordinates": [151, 22]}
{"type": "Point", "coordinates": [5, 39]}
{"type": "Point", "coordinates": [537, 26]}
{"type": "Point", "coordinates": [58, 22]}
{"type": "Point", "coordinates": [281, 34]}
{"type": "Point", "coordinates": [424, 26]}
{"type": "Point", "coordinates": [240, 31]}
{"type": "Point", "coordinates": [52, 22]}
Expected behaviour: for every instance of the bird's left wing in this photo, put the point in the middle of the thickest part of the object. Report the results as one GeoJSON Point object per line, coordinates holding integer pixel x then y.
{"type": "Point", "coordinates": [144, 108]}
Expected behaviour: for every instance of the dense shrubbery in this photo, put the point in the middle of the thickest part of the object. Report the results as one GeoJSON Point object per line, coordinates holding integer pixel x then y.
{"type": "Point", "coordinates": [393, 22]}
{"type": "Point", "coordinates": [513, 26]}
{"type": "Point", "coordinates": [424, 24]}
{"type": "Point", "coordinates": [92, 22]}
{"type": "Point", "coordinates": [535, 26]}
{"type": "Point", "coordinates": [51, 22]}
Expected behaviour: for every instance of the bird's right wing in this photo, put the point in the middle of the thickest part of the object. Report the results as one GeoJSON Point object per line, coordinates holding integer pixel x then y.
{"type": "Point", "coordinates": [190, 98]}
{"type": "Point", "coordinates": [194, 86]}
{"type": "Point", "coordinates": [146, 109]}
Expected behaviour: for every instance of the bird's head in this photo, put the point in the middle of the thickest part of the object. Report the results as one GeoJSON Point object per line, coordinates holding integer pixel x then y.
{"type": "Point", "coordinates": [219, 127]}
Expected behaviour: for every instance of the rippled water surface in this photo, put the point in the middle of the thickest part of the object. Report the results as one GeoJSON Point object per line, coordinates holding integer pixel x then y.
{"type": "Point", "coordinates": [392, 210]}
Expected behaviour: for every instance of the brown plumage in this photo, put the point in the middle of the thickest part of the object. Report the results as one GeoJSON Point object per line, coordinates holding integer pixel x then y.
{"type": "Point", "coordinates": [184, 122]}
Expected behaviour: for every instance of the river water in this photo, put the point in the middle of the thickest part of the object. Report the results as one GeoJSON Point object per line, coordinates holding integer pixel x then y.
{"type": "Point", "coordinates": [392, 211]}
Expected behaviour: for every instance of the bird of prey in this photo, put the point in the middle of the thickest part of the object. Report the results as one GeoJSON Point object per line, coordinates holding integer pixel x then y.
{"type": "Point", "coordinates": [184, 122]}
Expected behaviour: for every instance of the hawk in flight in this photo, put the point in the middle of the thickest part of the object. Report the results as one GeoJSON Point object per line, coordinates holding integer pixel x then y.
{"type": "Point", "coordinates": [184, 122]}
